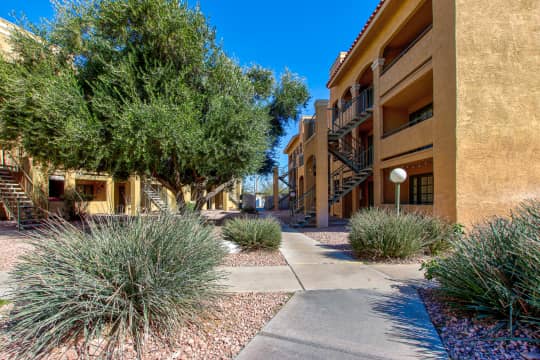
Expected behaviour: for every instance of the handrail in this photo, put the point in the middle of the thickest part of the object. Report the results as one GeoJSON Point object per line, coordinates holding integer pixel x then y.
{"type": "Point", "coordinates": [387, 67]}
{"type": "Point", "coordinates": [301, 200]}
{"type": "Point", "coordinates": [406, 125]}
{"type": "Point", "coordinates": [353, 109]}
{"type": "Point", "coordinates": [7, 206]}
{"type": "Point", "coordinates": [357, 157]}
{"type": "Point", "coordinates": [148, 186]}
{"type": "Point", "coordinates": [27, 184]}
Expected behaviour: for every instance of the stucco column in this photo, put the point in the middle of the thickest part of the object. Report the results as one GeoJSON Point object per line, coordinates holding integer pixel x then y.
{"type": "Point", "coordinates": [276, 188]}
{"type": "Point", "coordinates": [135, 190]}
{"type": "Point", "coordinates": [355, 90]}
{"type": "Point", "coordinates": [321, 179]}
{"type": "Point", "coordinates": [377, 132]}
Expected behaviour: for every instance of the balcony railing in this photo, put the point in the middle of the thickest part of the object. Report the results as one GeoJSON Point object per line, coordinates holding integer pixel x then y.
{"type": "Point", "coordinates": [386, 67]}
{"type": "Point", "coordinates": [353, 109]}
{"type": "Point", "coordinates": [415, 118]}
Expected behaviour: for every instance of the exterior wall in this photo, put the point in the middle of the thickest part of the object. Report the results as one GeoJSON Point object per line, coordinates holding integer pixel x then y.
{"type": "Point", "coordinates": [444, 104]}
{"type": "Point", "coordinates": [424, 74]}
{"type": "Point", "coordinates": [498, 102]}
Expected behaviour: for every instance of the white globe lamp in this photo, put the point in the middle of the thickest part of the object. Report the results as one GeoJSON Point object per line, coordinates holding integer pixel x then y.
{"type": "Point", "coordinates": [398, 177]}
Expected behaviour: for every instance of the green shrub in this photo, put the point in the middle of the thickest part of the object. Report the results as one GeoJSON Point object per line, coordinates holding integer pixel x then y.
{"type": "Point", "coordinates": [495, 269]}
{"type": "Point", "coordinates": [114, 281]}
{"type": "Point", "coordinates": [253, 234]}
{"type": "Point", "coordinates": [378, 233]}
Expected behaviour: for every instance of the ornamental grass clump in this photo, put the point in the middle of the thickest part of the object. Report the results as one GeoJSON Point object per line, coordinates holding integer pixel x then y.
{"type": "Point", "coordinates": [253, 234]}
{"type": "Point", "coordinates": [495, 269]}
{"type": "Point", "coordinates": [111, 283]}
{"type": "Point", "coordinates": [378, 233]}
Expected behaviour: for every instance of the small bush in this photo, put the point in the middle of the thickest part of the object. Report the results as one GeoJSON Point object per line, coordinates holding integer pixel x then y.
{"type": "Point", "coordinates": [378, 233]}
{"type": "Point", "coordinates": [253, 234]}
{"type": "Point", "coordinates": [495, 269]}
{"type": "Point", "coordinates": [113, 282]}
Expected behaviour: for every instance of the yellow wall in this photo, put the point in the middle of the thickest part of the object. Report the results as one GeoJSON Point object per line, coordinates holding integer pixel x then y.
{"type": "Point", "coordinates": [498, 102]}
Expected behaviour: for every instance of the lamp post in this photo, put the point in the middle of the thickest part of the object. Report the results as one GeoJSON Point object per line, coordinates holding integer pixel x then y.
{"type": "Point", "coordinates": [398, 177]}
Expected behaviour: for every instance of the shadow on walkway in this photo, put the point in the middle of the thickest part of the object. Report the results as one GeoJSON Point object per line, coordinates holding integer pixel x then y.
{"type": "Point", "coordinates": [411, 323]}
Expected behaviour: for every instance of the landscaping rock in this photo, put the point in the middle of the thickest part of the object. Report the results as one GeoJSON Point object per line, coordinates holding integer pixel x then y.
{"type": "Point", "coordinates": [468, 338]}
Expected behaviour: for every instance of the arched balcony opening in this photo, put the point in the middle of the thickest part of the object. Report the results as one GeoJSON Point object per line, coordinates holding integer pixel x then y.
{"type": "Point", "coordinates": [411, 33]}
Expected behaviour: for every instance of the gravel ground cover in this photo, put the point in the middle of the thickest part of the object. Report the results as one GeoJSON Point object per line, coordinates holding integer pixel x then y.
{"type": "Point", "coordinates": [222, 334]}
{"type": "Point", "coordinates": [252, 258]}
{"type": "Point", "coordinates": [255, 258]}
{"type": "Point", "coordinates": [12, 245]}
{"type": "Point", "coordinates": [467, 338]}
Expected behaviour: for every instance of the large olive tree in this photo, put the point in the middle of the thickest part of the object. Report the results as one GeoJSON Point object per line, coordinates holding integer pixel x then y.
{"type": "Point", "coordinates": [142, 87]}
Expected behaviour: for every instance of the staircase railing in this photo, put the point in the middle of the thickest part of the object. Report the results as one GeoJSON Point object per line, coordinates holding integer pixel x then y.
{"type": "Point", "coordinates": [7, 205]}
{"type": "Point", "coordinates": [353, 109]}
{"type": "Point", "coordinates": [352, 154]}
{"type": "Point", "coordinates": [305, 201]}
{"type": "Point", "coordinates": [150, 188]}
{"type": "Point", "coordinates": [35, 193]}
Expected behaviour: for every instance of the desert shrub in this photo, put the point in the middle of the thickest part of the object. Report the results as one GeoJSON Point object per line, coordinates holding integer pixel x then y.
{"type": "Point", "coordinates": [495, 268]}
{"type": "Point", "coordinates": [114, 281]}
{"type": "Point", "coordinates": [379, 233]}
{"type": "Point", "coordinates": [253, 234]}
{"type": "Point", "coordinates": [75, 204]}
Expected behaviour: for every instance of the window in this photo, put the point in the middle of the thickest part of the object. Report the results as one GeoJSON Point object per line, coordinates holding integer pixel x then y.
{"type": "Point", "coordinates": [87, 190]}
{"type": "Point", "coordinates": [421, 189]}
{"type": "Point", "coordinates": [420, 115]}
{"type": "Point", "coordinates": [56, 189]}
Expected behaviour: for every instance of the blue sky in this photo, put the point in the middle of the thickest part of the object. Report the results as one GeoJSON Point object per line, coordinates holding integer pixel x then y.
{"type": "Point", "coordinates": [304, 36]}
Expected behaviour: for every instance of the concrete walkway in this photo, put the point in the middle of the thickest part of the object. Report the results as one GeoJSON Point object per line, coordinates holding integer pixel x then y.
{"type": "Point", "coordinates": [349, 310]}
{"type": "Point", "coordinates": [314, 266]}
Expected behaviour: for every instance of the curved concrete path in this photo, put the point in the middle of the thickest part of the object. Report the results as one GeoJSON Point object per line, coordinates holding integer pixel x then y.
{"type": "Point", "coordinates": [342, 308]}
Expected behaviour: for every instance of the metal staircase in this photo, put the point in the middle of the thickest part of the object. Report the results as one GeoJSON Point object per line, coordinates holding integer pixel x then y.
{"type": "Point", "coordinates": [351, 115]}
{"type": "Point", "coordinates": [18, 205]}
{"type": "Point", "coordinates": [357, 160]}
{"type": "Point", "coordinates": [152, 192]}
{"type": "Point", "coordinates": [304, 208]}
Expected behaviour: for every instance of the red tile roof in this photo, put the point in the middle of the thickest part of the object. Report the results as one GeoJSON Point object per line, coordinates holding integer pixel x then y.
{"type": "Point", "coordinates": [370, 20]}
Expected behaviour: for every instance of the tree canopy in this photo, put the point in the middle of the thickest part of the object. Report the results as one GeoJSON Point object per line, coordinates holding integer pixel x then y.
{"type": "Point", "coordinates": [142, 87]}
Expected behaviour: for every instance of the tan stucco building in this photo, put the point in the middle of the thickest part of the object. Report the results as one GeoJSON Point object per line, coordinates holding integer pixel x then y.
{"type": "Point", "coordinates": [449, 90]}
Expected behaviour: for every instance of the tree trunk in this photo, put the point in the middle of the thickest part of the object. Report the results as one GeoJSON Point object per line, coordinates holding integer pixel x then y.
{"type": "Point", "coordinates": [180, 200]}
{"type": "Point", "coordinates": [202, 199]}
